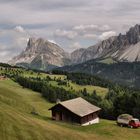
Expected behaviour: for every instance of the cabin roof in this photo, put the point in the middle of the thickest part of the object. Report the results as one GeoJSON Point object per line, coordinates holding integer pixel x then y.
{"type": "Point", "coordinates": [79, 106]}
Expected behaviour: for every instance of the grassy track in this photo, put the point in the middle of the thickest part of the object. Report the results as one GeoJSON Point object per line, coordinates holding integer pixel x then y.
{"type": "Point", "coordinates": [17, 123]}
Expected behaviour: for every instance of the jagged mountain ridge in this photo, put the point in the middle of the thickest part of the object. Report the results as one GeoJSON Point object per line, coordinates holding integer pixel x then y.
{"type": "Point", "coordinates": [122, 48]}
{"type": "Point", "coordinates": [41, 54]}
{"type": "Point", "coordinates": [45, 55]}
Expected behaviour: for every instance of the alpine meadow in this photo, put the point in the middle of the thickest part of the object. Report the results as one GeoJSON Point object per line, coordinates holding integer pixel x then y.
{"type": "Point", "coordinates": [70, 70]}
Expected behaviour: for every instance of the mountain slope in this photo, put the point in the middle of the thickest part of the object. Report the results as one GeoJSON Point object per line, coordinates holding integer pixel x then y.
{"type": "Point", "coordinates": [17, 123]}
{"type": "Point", "coordinates": [76, 55]}
{"type": "Point", "coordinates": [41, 54]}
{"type": "Point", "coordinates": [124, 73]}
{"type": "Point", "coordinates": [131, 54]}
{"type": "Point", "coordinates": [122, 48]}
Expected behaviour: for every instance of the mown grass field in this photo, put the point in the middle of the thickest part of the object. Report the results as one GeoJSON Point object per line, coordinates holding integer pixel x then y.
{"type": "Point", "coordinates": [17, 122]}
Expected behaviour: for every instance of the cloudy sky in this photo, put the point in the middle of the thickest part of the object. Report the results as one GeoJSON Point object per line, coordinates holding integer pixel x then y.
{"type": "Point", "coordinates": [72, 24]}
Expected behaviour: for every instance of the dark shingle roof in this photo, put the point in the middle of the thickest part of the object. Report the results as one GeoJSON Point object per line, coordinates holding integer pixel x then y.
{"type": "Point", "coordinates": [79, 106]}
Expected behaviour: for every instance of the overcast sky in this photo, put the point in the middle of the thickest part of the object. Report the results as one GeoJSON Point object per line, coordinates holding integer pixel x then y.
{"type": "Point", "coordinates": [71, 24]}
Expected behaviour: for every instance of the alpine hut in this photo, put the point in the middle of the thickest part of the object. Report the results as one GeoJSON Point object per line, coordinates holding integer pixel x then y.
{"type": "Point", "coordinates": [77, 111]}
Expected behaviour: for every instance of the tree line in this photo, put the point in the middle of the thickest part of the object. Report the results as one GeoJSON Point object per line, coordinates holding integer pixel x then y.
{"type": "Point", "coordinates": [48, 91]}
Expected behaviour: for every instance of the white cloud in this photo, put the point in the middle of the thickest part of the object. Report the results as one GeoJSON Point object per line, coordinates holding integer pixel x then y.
{"type": "Point", "coordinates": [85, 27]}
{"type": "Point", "coordinates": [66, 34]}
{"type": "Point", "coordinates": [4, 55]}
{"type": "Point", "coordinates": [106, 35]}
{"type": "Point", "coordinates": [19, 29]}
{"type": "Point", "coordinates": [105, 28]}
{"type": "Point", "coordinates": [92, 27]}
{"type": "Point", "coordinates": [20, 41]}
{"type": "Point", "coordinates": [76, 45]}
{"type": "Point", "coordinates": [12, 42]}
{"type": "Point", "coordinates": [90, 36]}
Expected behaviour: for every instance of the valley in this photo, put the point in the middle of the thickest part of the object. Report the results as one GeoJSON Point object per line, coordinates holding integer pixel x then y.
{"type": "Point", "coordinates": [70, 70]}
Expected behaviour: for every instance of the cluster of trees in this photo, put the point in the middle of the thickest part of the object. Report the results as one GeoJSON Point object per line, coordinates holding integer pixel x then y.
{"type": "Point", "coordinates": [48, 91]}
{"type": "Point", "coordinates": [56, 71]}
{"type": "Point", "coordinates": [5, 65]}
{"type": "Point", "coordinates": [62, 82]}
{"type": "Point", "coordinates": [55, 93]}
{"type": "Point", "coordinates": [34, 84]}
{"type": "Point", "coordinates": [85, 79]}
{"type": "Point", "coordinates": [116, 103]}
{"type": "Point", "coordinates": [8, 66]}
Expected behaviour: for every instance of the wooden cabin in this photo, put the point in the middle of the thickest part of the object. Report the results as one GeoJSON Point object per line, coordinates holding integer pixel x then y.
{"type": "Point", "coordinates": [77, 111]}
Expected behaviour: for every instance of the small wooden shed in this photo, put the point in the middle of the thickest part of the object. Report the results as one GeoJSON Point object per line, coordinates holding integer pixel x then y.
{"type": "Point", "coordinates": [76, 110]}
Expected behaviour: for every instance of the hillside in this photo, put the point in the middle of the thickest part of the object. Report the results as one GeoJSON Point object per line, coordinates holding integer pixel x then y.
{"type": "Point", "coordinates": [55, 80]}
{"type": "Point", "coordinates": [64, 86]}
{"type": "Point", "coordinates": [17, 123]}
{"type": "Point", "coordinates": [125, 73]}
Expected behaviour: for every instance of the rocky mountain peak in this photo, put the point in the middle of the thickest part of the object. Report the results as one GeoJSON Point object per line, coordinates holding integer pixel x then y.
{"type": "Point", "coordinates": [134, 34]}
{"type": "Point", "coordinates": [41, 54]}
{"type": "Point", "coordinates": [33, 43]}
{"type": "Point", "coordinates": [40, 45]}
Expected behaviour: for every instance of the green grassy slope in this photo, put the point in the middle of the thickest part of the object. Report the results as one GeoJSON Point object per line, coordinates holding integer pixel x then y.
{"type": "Point", "coordinates": [107, 61]}
{"type": "Point", "coordinates": [29, 73]}
{"type": "Point", "coordinates": [99, 90]}
{"type": "Point", "coordinates": [17, 123]}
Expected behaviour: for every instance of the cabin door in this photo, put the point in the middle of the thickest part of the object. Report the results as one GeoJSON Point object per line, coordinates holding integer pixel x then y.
{"type": "Point", "coordinates": [59, 116]}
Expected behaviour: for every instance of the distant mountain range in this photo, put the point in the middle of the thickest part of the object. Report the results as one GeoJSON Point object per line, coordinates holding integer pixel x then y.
{"type": "Point", "coordinates": [45, 55]}
{"type": "Point", "coordinates": [122, 48]}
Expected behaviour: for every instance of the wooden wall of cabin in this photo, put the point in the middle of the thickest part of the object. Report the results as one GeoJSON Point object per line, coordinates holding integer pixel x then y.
{"type": "Point", "coordinates": [89, 117]}
{"type": "Point", "coordinates": [60, 113]}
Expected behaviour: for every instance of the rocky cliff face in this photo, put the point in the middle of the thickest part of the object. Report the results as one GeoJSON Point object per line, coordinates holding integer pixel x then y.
{"type": "Point", "coordinates": [122, 48]}
{"type": "Point", "coordinates": [76, 55]}
{"type": "Point", "coordinates": [41, 54]}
